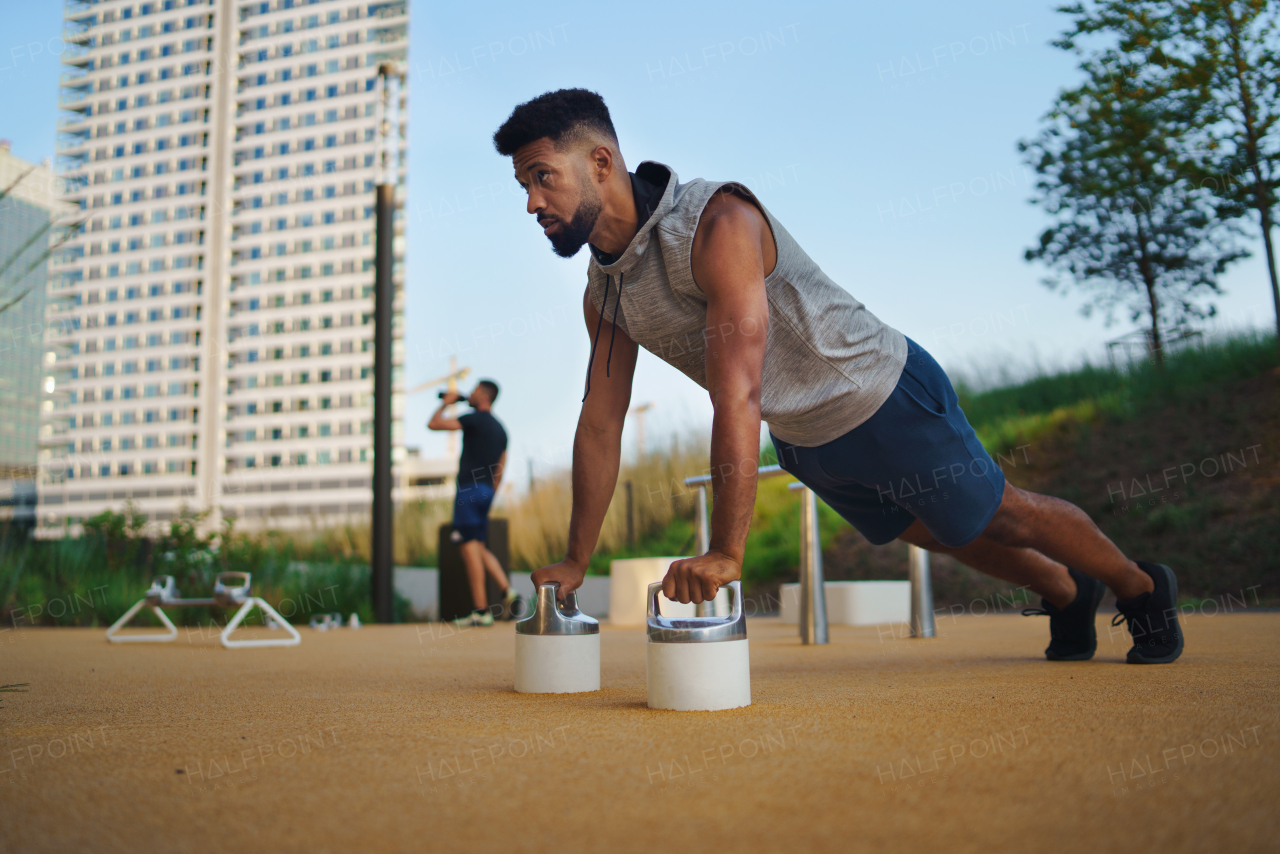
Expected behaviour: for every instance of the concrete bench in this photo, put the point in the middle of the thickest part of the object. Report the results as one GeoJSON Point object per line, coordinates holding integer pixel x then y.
{"type": "Point", "coordinates": [629, 586]}
{"type": "Point", "coordinates": [855, 603]}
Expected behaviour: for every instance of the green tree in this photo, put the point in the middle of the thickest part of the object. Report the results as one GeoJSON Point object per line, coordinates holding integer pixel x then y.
{"type": "Point", "coordinates": [1220, 63]}
{"type": "Point", "coordinates": [1129, 228]}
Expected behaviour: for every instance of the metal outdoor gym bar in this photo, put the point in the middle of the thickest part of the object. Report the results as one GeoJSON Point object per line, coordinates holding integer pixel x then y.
{"type": "Point", "coordinates": [813, 601]}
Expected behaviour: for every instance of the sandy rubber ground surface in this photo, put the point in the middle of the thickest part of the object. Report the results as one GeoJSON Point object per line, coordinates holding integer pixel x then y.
{"type": "Point", "coordinates": [410, 738]}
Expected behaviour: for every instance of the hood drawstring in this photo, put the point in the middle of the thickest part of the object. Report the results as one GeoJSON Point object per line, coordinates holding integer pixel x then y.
{"type": "Point", "coordinates": [614, 331]}
{"type": "Point", "coordinates": [604, 305]}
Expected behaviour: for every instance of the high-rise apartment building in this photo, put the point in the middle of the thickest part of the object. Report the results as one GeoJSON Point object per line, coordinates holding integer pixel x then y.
{"type": "Point", "coordinates": [210, 330]}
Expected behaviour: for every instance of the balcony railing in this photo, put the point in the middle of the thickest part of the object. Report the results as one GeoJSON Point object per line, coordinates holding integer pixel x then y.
{"type": "Point", "coordinates": [384, 35]}
{"type": "Point", "coordinates": [75, 27]}
{"type": "Point", "coordinates": [65, 122]}
{"type": "Point", "coordinates": [71, 97]}
{"type": "Point", "coordinates": [69, 141]}
{"type": "Point", "coordinates": [75, 80]}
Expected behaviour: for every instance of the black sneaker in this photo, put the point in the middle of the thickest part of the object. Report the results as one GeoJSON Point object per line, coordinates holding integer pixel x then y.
{"type": "Point", "coordinates": [1074, 637]}
{"type": "Point", "coordinates": [1152, 619]}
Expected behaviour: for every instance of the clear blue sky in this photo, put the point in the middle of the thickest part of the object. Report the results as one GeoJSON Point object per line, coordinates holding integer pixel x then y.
{"type": "Point", "coordinates": [882, 135]}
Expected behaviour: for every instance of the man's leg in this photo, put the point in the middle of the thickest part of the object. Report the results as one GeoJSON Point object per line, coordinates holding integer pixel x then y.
{"type": "Point", "coordinates": [1032, 539]}
{"type": "Point", "coordinates": [495, 568]}
{"type": "Point", "coordinates": [1063, 532]}
{"type": "Point", "coordinates": [473, 556]}
{"type": "Point", "coordinates": [1023, 567]}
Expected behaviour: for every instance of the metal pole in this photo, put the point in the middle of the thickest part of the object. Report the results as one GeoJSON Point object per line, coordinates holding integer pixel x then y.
{"type": "Point", "coordinates": [921, 593]}
{"type": "Point", "coordinates": [703, 528]}
{"type": "Point", "coordinates": [631, 518]}
{"type": "Point", "coordinates": [702, 542]}
{"type": "Point", "coordinates": [703, 609]}
{"type": "Point", "coordinates": [383, 534]}
{"type": "Point", "coordinates": [813, 594]}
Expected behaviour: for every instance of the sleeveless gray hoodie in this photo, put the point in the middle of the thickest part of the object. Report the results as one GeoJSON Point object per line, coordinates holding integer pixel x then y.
{"type": "Point", "coordinates": [829, 363]}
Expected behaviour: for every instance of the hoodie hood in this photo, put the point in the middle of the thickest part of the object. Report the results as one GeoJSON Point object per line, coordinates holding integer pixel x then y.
{"type": "Point", "coordinates": [660, 175]}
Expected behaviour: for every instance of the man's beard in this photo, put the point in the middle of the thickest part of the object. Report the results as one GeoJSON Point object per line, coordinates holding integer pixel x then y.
{"type": "Point", "coordinates": [574, 234]}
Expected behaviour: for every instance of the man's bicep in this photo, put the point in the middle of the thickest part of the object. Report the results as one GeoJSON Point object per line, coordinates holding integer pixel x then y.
{"type": "Point", "coordinates": [730, 260]}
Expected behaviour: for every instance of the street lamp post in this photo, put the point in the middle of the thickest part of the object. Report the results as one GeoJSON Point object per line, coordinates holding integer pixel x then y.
{"type": "Point", "coordinates": [382, 541]}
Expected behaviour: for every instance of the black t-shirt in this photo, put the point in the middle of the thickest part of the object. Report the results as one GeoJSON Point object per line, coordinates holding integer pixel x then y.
{"type": "Point", "coordinates": [483, 442]}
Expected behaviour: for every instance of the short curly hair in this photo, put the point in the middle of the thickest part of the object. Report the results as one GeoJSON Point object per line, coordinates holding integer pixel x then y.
{"type": "Point", "coordinates": [562, 116]}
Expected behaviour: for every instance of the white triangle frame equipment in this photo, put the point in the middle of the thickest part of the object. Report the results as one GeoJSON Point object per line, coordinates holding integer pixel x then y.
{"type": "Point", "coordinates": [226, 593]}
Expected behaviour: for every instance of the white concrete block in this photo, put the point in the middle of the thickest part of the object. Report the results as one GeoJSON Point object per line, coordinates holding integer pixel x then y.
{"type": "Point", "coordinates": [630, 585]}
{"type": "Point", "coordinates": [855, 603]}
{"type": "Point", "coordinates": [421, 586]}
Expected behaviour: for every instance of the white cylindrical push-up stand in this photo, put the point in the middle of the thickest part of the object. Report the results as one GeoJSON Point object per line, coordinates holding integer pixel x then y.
{"type": "Point", "coordinates": [557, 647]}
{"type": "Point", "coordinates": [698, 663]}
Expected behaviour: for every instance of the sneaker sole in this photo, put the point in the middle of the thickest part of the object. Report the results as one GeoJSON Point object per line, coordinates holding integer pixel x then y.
{"type": "Point", "coordinates": [1099, 591]}
{"type": "Point", "coordinates": [1135, 657]}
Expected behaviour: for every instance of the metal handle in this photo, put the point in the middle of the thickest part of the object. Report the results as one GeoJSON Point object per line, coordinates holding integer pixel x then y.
{"type": "Point", "coordinates": [694, 629]}
{"type": "Point", "coordinates": [552, 617]}
{"type": "Point", "coordinates": [547, 596]}
{"type": "Point", "coordinates": [227, 594]}
{"type": "Point", "coordinates": [652, 609]}
{"type": "Point", "coordinates": [549, 599]}
{"type": "Point", "coordinates": [163, 590]}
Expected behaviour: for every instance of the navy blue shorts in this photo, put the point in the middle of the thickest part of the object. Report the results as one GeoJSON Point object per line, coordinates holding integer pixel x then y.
{"type": "Point", "coordinates": [916, 458]}
{"type": "Point", "coordinates": [471, 512]}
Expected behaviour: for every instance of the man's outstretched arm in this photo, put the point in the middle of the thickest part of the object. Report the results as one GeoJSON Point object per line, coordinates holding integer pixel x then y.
{"type": "Point", "coordinates": [597, 448]}
{"type": "Point", "coordinates": [733, 251]}
{"type": "Point", "coordinates": [438, 421]}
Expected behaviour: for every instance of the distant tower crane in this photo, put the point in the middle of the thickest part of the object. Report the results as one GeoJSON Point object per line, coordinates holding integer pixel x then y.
{"type": "Point", "coordinates": [638, 412]}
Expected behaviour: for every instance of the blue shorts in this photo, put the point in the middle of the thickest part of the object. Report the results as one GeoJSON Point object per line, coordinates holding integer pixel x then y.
{"type": "Point", "coordinates": [916, 458]}
{"type": "Point", "coordinates": [471, 512]}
